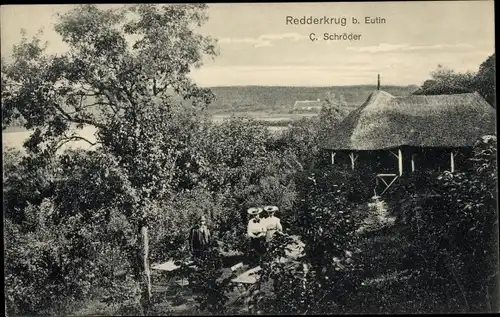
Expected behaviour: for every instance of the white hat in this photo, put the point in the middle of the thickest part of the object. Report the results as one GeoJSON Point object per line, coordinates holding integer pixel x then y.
{"type": "Point", "coordinates": [270, 209]}
{"type": "Point", "coordinates": [254, 211]}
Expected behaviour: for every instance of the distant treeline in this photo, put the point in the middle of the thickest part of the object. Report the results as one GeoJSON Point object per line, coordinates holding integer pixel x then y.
{"type": "Point", "coordinates": [255, 98]}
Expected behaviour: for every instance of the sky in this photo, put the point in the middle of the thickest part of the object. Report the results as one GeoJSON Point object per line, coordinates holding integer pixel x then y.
{"type": "Point", "coordinates": [257, 47]}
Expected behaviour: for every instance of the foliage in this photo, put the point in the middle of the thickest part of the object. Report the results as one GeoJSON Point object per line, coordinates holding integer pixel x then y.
{"type": "Point", "coordinates": [283, 287]}
{"type": "Point", "coordinates": [207, 282]}
{"type": "Point", "coordinates": [73, 220]}
{"type": "Point", "coordinates": [124, 74]}
{"type": "Point", "coordinates": [331, 269]}
{"type": "Point", "coordinates": [78, 241]}
{"type": "Point", "coordinates": [95, 190]}
{"type": "Point", "coordinates": [438, 257]}
{"type": "Point", "coordinates": [446, 81]}
{"type": "Point", "coordinates": [172, 222]}
{"type": "Point", "coordinates": [485, 80]}
{"type": "Point", "coordinates": [103, 70]}
{"type": "Point", "coordinates": [240, 166]}
{"type": "Point", "coordinates": [55, 265]}
{"type": "Point", "coordinates": [304, 136]}
{"type": "Point", "coordinates": [27, 180]}
{"type": "Point", "coordinates": [452, 231]}
{"type": "Point", "coordinates": [129, 87]}
{"type": "Point", "coordinates": [301, 138]}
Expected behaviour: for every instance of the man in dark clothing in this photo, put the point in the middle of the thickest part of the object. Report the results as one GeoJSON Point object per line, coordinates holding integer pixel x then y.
{"type": "Point", "coordinates": [199, 239]}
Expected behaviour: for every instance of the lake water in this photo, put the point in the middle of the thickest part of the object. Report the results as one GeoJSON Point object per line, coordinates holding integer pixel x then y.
{"type": "Point", "coordinates": [16, 139]}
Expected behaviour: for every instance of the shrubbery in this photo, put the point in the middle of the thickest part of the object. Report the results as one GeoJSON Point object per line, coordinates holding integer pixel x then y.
{"type": "Point", "coordinates": [452, 228]}
{"type": "Point", "coordinates": [73, 240]}
{"type": "Point", "coordinates": [439, 256]}
{"type": "Point", "coordinates": [330, 270]}
{"type": "Point", "coordinates": [93, 207]}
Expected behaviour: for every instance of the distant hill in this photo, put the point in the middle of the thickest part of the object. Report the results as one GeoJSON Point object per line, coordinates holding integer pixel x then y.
{"type": "Point", "coordinates": [277, 99]}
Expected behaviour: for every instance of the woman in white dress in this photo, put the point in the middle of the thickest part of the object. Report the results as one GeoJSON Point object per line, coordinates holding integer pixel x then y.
{"type": "Point", "coordinates": [272, 223]}
{"type": "Point", "coordinates": [257, 232]}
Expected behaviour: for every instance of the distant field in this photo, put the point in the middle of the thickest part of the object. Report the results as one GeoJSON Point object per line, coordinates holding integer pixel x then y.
{"type": "Point", "coordinates": [271, 99]}
{"type": "Point", "coordinates": [263, 116]}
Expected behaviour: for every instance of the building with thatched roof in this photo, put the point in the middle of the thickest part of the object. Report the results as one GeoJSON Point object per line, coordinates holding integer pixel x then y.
{"type": "Point", "coordinates": [307, 105]}
{"type": "Point", "coordinates": [402, 134]}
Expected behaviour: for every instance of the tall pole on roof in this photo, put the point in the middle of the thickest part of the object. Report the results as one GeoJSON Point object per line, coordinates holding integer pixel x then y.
{"type": "Point", "coordinates": [452, 162]}
{"type": "Point", "coordinates": [400, 162]}
{"type": "Point", "coordinates": [378, 81]}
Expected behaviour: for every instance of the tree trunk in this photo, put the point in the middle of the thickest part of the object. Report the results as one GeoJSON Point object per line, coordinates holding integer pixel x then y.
{"type": "Point", "coordinates": [146, 285]}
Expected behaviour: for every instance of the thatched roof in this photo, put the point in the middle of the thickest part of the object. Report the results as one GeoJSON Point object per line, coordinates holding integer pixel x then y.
{"type": "Point", "coordinates": [386, 121]}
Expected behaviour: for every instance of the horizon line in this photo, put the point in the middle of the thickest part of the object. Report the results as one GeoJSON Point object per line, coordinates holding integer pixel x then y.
{"type": "Point", "coordinates": [310, 86]}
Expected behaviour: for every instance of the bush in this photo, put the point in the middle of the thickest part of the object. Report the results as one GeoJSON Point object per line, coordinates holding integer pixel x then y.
{"type": "Point", "coordinates": [50, 267]}
{"type": "Point", "coordinates": [452, 229]}
{"type": "Point", "coordinates": [65, 248]}
{"type": "Point", "coordinates": [208, 283]}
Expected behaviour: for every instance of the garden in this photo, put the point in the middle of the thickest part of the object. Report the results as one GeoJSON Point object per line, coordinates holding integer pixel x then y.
{"type": "Point", "coordinates": [82, 227]}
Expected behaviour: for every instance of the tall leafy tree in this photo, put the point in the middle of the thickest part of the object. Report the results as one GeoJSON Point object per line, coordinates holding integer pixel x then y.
{"type": "Point", "coordinates": [485, 80]}
{"type": "Point", "coordinates": [446, 81]}
{"type": "Point", "coordinates": [126, 74]}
